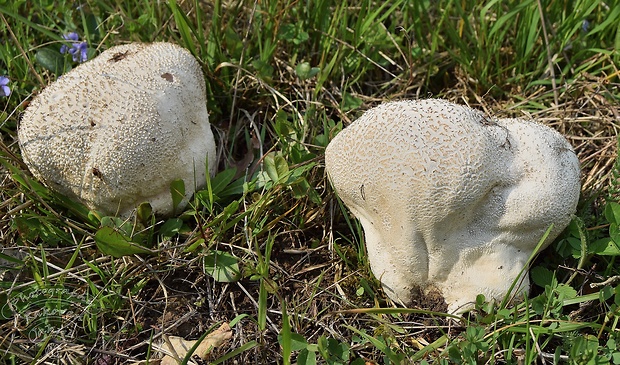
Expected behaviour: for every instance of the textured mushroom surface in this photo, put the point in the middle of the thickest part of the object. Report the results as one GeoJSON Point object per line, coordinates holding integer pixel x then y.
{"type": "Point", "coordinates": [452, 200]}
{"type": "Point", "coordinates": [116, 131]}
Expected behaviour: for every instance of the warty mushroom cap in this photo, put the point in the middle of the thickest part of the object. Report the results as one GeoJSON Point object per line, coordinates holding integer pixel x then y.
{"type": "Point", "coordinates": [450, 199]}
{"type": "Point", "coordinates": [116, 131]}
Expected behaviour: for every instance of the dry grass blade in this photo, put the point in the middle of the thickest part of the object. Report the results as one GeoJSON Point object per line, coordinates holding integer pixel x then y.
{"type": "Point", "coordinates": [177, 347]}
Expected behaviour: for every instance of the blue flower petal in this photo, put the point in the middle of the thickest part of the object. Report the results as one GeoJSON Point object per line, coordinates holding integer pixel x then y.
{"type": "Point", "coordinates": [5, 90]}
{"type": "Point", "coordinates": [78, 50]}
{"type": "Point", "coordinates": [73, 36]}
{"type": "Point", "coordinates": [83, 47]}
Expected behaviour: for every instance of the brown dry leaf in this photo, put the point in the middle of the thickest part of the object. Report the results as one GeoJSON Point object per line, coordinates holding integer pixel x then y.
{"type": "Point", "coordinates": [181, 346]}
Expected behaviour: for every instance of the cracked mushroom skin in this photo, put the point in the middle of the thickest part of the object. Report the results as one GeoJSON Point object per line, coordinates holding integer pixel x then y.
{"type": "Point", "coordinates": [452, 200]}
{"type": "Point", "coordinates": [116, 131]}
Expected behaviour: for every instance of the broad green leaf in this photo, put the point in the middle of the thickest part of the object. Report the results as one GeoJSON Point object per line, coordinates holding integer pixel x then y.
{"type": "Point", "coordinates": [292, 33]}
{"type": "Point", "coordinates": [112, 242]}
{"type": "Point", "coordinates": [222, 266]}
{"type": "Point", "coordinates": [605, 293]}
{"type": "Point", "coordinates": [306, 357]}
{"type": "Point", "coordinates": [52, 60]}
{"type": "Point", "coordinates": [284, 128]}
{"type": "Point", "coordinates": [234, 188]}
{"type": "Point", "coordinates": [606, 247]}
{"type": "Point", "coordinates": [298, 342]}
{"type": "Point", "coordinates": [350, 102]}
{"type": "Point", "coordinates": [92, 26]}
{"type": "Point", "coordinates": [281, 167]}
{"type": "Point", "coordinates": [566, 291]}
{"type": "Point", "coordinates": [304, 71]}
{"type": "Point", "coordinates": [299, 154]}
{"type": "Point", "coordinates": [276, 168]}
{"type": "Point", "coordinates": [614, 233]}
{"type": "Point", "coordinates": [234, 42]}
{"type": "Point", "coordinates": [270, 167]}
{"type": "Point", "coordinates": [336, 351]}
{"type": "Point", "coordinates": [77, 208]}
{"type": "Point", "coordinates": [612, 212]}
{"type": "Point", "coordinates": [220, 181]}
{"type": "Point", "coordinates": [302, 189]}
{"type": "Point", "coordinates": [541, 276]}
{"type": "Point", "coordinates": [170, 227]}
{"type": "Point", "coordinates": [144, 212]}
{"type": "Point", "coordinates": [265, 70]}
{"type": "Point", "coordinates": [123, 226]}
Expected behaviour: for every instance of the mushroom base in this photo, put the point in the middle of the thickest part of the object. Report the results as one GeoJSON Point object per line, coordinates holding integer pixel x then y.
{"type": "Point", "coordinates": [430, 298]}
{"type": "Point", "coordinates": [496, 273]}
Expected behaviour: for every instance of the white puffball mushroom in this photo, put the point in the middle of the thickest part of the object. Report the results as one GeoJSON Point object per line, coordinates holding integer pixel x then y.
{"type": "Point", "coordinates": [116, 131]}
{"type": "Point", "coordinates": [451, 200]}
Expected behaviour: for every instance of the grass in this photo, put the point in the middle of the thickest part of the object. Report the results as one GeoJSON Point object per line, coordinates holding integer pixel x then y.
{"type": "Point", "coordinates": [267, 247]}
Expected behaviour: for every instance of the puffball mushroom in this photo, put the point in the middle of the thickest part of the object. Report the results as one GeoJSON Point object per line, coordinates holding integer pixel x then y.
{"type": "Point", "coordinates": [451, 200]}
{"type": "Point", "coordinates": [118, 130]}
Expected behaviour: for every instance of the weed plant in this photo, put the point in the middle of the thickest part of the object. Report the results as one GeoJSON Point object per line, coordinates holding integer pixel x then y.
{"type": "Point", "coordinates": [267, 246]}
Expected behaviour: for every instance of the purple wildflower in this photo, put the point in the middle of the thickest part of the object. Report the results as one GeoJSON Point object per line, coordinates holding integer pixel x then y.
{"type": "Point", "coordinates": [585, 25]}
{"type": "Point", "coordinates": [4, 89]}
{"type": "Point", "coordinates": [78, 50]}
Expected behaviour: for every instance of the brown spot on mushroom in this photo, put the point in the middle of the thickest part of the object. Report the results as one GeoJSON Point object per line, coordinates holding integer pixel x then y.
{"type": "Point", "coordinates": [118, 56]}
{"type": "Point", "coordinates": [167, 76]}
{"type": "Point", "coordinates": [362, 192]}
{"type": "Point", "coordinates": [97, 173]}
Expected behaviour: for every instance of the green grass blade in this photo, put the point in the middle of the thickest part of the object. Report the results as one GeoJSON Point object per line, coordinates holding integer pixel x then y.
{"type": "Point", "coordinates": [183, 26]}
{"type": "Point", "coordinates": [239, 350]}
{"type": "Point", "coordinates": [285, 336]}
{"type": "Point", "coordinates": [262, 305]}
